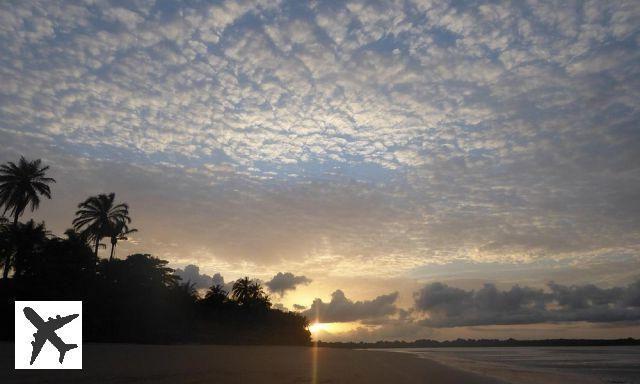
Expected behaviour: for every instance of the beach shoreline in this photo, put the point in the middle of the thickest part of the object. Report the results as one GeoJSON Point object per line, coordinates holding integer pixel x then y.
{"type": "Point", "coordinates": [549, 365]}
{"type": "Point", "coordinates": [504, 372]}
{"type": "Point", "coordinates": [131, 363]}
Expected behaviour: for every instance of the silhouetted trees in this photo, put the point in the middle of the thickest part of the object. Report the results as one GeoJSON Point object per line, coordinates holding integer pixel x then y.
{"type": "Point", "coordinates": [247, 317]}
{"type": "Point", "coordinates": [28, 241]}
{"type": "Point", "coordinates": [216, 296]}
{"type": "Point", "coordinates": [97, 217]}
{"type": "Point", "coordinates": [136, 299]}
{"type": "Point", "coordinates": [119, 231]}
{"type": "Point", "coordinates": [53, 267]}
{"type": "Point", "coordinates": [247, 292]}
{"type": "Point", "coordinates": [5, 246]}
{"type": "Point", "coordinates": [21, 185]}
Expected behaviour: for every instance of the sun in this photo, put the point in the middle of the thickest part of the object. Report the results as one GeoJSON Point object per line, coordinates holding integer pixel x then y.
{"type": "Point", "coordinates": [333, 328]}
{"type": "Point", "coordinates": [317, 327]}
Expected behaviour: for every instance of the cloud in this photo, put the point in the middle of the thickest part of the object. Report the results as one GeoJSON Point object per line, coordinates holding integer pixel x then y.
{"type": "Point", "coordinates": [191, 274]}
{"type": "Point", "coordinates": [283, 282]}
{"type": "Point", "coordinates": [360, 137]}
{"type": "Point", "coordinates": [447, 306]}
{"type": "Point", "coordinates": [299, 307]}
{"type": "Point", "coordinates": [341, 309]}
{"type": "Point", "coordinates": [217, 279]}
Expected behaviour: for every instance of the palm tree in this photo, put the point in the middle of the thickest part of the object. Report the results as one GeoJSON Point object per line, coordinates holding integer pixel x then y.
{"type": "Point", "coordinates": [216, 296]}
{"type": "Point", "coordinates": [97, 215]}
{"type": "Point", "coordinates": [256, 291]}
{"type": "Point", "coordinates": [119, 231]}
{"type": "Point", "coordinates": [216, 290]}
{"type": "Point", "coordinates": [241, 290]}
{"type": "Point", "coordinates": [28, 241]}
{"type": "Point", "coordinates": [22, 185]}
{"type": "Point", "coordinates": [246, 291]}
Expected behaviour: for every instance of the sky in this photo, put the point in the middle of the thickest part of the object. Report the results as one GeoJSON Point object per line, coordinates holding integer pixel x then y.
{"type": "Point", "coordinates": [398, 169]}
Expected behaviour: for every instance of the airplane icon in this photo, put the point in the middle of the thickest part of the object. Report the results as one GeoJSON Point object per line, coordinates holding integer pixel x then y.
{"type": "Point", "coordinates": [47, 331]}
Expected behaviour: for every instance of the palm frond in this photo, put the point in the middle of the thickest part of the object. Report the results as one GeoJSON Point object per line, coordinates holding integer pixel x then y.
{"type": "Point", "coordinates": [22, 184]}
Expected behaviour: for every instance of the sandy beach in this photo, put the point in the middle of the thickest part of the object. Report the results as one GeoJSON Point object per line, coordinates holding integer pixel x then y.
{"type": "Point", "coordinates": [124, 363]}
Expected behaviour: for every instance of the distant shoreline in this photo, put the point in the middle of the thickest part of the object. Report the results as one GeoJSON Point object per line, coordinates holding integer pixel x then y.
{"type": "Point", "coordinates": [484, 343]}
{"type": "Point", "coordinates": [461, 343]}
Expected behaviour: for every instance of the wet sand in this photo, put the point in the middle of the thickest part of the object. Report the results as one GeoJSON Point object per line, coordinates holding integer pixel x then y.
{"type": "Point", "coordinates": [510, 373]}
{"type": "Point", "coordinates": [128, 363]}
{"type": "Point", "coordinates": [549, 365]}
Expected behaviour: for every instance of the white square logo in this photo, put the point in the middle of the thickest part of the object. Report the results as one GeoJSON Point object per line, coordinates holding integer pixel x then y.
{"type": "Point", "coordinates": [48, 334]}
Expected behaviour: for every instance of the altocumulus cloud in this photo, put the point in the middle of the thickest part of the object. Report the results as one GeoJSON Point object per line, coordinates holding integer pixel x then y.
{"type": "Point", "coordinates": [451, 307]}
{"type": "Point", "coordinates": [387, 134]}
{"type": "Point", "coordinates": [341, 309]}
{"type": "Point", "coordinates": [283, 282]}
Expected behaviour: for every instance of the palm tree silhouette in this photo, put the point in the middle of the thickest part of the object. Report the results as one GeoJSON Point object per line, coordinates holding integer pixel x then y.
{"type": "Point", "coordinates": [246, 290]}
{"type": "Point", "coordinates": [216, 290]}
{"type": "Point", "coordinates": [241, 290]}
{"type": "Point", "coordinates": [256, 291]}
{"type": "Point", "coordinates": [119, 231]}
{"type": "Point", "coordinates": [21, 185]}
{"type": "Point", "coordinates": [216, 296]}
{"type": "Point", "coordinates": [97, 215]}
{"type": "Point", "coordinates": [28, 241]}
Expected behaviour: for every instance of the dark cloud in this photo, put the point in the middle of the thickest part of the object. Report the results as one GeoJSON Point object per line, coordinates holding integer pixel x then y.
{"type": "Point", "coordinates": [451, 307]}
{"type": "Point", "coordinates": [217, 279]}
{"type": "Point", "coordinates": [283, 282]}
{"type": "Point", "coordinates": [299, 307]}
{"type": "Point", "coordinates": [191, 274]}
{"type": "Point", "coordinates": [341, 309]}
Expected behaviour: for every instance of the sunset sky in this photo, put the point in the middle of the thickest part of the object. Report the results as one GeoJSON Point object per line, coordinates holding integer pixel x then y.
{"type": "Point", "coordinates": [383, 157]}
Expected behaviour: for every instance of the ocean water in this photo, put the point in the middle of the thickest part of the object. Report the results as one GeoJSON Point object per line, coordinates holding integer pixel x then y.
{"type": "Point", "coordinates": [619, 365]}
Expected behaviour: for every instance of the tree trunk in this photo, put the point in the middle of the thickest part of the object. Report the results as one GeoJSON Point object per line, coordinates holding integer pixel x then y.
{"type": "Point", "coordinates": [113, 247]}
{"type": "Point", "coordinates": [5, 273]}
{"type": "Point", "coordinates": [95, 252]}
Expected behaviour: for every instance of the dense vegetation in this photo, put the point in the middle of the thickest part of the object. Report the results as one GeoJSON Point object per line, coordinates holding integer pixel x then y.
{"type": "Point", "coordinates": [136, 299]}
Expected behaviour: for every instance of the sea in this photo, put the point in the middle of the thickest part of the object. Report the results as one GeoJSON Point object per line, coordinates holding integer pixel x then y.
{"type": "Point", "coordinates": [529, 365]}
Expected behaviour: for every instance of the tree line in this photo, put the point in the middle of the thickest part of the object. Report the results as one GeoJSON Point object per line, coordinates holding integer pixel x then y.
{"type": "Point", "coordinates": [135, 299]}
